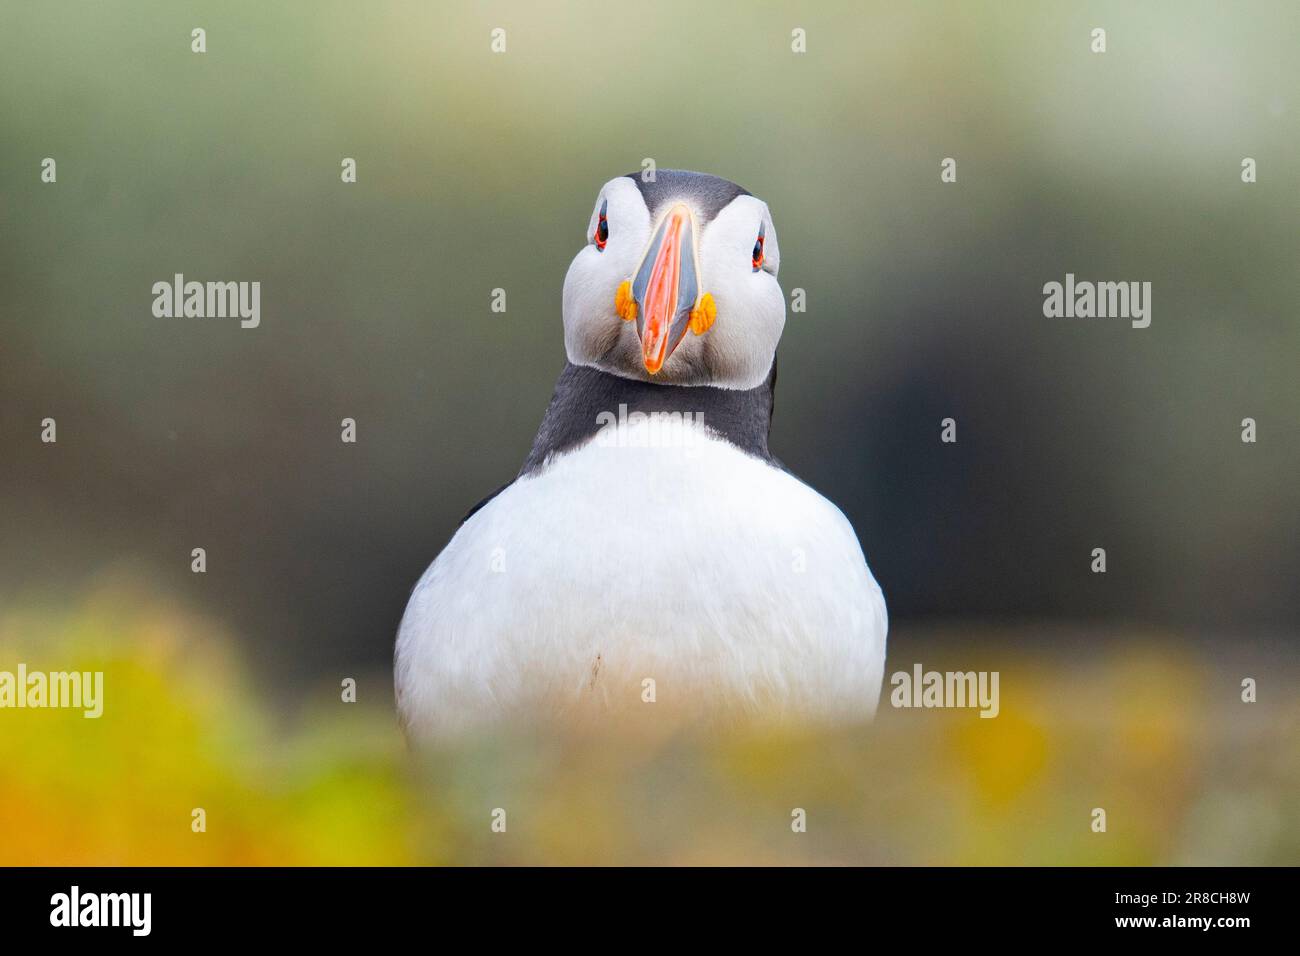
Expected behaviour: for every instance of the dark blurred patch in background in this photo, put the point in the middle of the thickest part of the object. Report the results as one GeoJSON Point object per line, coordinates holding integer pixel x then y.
{"type": "Point", "coordinates": [477, 171]}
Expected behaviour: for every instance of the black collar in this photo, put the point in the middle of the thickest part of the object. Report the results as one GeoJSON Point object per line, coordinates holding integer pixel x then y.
{"type": "Point", "coordinates": [583, 395]}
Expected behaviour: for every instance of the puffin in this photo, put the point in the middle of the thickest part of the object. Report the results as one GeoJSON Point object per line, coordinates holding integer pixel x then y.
{"type": "Point", "coordinates": [651, 553]}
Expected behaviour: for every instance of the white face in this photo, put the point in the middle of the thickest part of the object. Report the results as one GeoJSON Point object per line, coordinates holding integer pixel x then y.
{"type": "Point", "coordinates": [675, 268]}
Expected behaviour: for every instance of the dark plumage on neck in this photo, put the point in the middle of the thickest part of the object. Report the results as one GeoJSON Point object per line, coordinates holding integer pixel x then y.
{"type": "Point", "coordinates": [582, 394]}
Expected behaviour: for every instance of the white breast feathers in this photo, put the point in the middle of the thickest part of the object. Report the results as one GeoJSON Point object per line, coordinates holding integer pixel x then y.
{"type": "Point", "coordinates": [656, 566]}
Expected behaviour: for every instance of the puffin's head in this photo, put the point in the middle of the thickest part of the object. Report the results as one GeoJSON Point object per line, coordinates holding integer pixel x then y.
{"type": "Point", "coordinates": [676, 284]}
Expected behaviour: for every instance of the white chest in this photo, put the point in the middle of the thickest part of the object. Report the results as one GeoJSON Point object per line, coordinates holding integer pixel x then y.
{"type": "Point", "coordinates": [653, 553]}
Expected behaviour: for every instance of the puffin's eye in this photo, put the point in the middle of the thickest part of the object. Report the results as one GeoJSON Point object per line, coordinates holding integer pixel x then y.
{"type": "Point", "coordinates": [758, 250]}
{"type": "Point", "coordinates": [602, 228]}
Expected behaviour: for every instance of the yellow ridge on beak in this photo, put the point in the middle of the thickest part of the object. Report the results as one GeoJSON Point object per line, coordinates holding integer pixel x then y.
{"type": "Point", "coordinates": [703, 315]}
{"type": "Point", "coordinates": [624, 304]}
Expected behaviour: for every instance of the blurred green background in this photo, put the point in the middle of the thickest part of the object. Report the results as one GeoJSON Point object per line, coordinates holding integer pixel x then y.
{"type": "Point", "coordinates": [477, 171]}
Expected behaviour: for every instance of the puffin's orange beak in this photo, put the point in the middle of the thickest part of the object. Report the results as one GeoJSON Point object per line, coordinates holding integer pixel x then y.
{"type": "Point", "coordinates": [666, 288]}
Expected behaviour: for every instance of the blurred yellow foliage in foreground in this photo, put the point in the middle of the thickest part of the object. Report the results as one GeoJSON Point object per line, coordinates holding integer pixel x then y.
{"type": "Point", "coordinates": [1157, 737]}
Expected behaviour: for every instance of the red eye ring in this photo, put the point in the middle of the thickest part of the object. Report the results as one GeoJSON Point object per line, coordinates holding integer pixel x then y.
{"type": "Point", "coordinates": [601, 236]}
{"type": "Point", "coordinates": [758, 253]}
